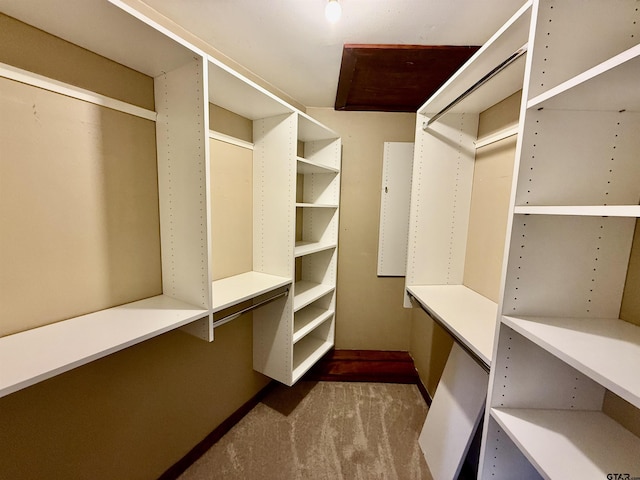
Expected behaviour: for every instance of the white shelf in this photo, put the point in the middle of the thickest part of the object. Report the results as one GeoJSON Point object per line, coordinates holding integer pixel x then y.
{"type": "Point", "coordinates": [239, 288]}
{"type": "Point", "coordinates": [580, 210]}
{"type": "Point", "coordinates": [307, 248]}
{"type": "Point", "coordinates": [467, 315]}
{"type": "Point", "coordinates": [571, 444]}
{"type": "Point", "coordinates": [607, 350]}
{"type": "Point", "coordinates": [307, 292]}
{"type": "Point", "coordinates": [610, 86]}
{"type": "Point", "coordinates": [315, 205]}
{"type": "Point", "coordinates": [307, 352]}
{"type": "Point", "coordinates": [41, 353]}
{"type": "Point", "coordinates": [512, 36]}
{"type": "Point", "coordinates": [308, 166]}
{"type": "Point", "coordinates": [238, 94]}
{"type": "Point", "coordinates": [310, 130]}
{"type": "Point", "coordinates": [308, 319]}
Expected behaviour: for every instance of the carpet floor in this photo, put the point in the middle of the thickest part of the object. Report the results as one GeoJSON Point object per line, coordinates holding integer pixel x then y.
{"type": "Point", "coordinates": [323, 430]}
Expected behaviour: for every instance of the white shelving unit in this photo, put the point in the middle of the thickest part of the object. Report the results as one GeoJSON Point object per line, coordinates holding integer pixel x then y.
{"type": "Point", "coordinates": [309, 332]}
{"type": "Point", "coordinates": [440, 228]}
{"type": "Point", "coordinates": [186, 82]}
{"type": "Point", "coordinates": [442, 186]}
{"type": "Point", "coordinates": [562, 346]}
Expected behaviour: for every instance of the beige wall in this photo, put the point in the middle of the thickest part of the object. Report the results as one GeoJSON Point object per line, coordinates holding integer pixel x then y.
{"type": "Point", "coordinates": [369, 312]}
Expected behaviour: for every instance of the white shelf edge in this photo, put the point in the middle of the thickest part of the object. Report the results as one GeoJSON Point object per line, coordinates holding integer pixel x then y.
{"type": "Point", "coordinates": [497, 136]}
{"type": "Point", "coordinates": [316, 205]}
{"type": "Point", "coordinates": [44, 352]}
{"type": "Point", "coordinates": [580, 210]}
{"type": "Point", "coordinates": [591, 444]}
{"type": "Point", "coordinates": [597, 347]}
{"type": "Point", "coordinates": [307, 248]}
{"type": "Point", "coordinates": [314, 321]}
{"type": "Point", "coordinates": [584, 77]}
{"type": "Point", "coordinates": [309, 129]}
{"type": "Point", "coordinates": [468, 316]}
{"type": "Point", "coordinates": [306, 353]}
{"type": "Point", "coordinates": [230, 140]}
{"type": "Point", "coordinates": [308, 292]}
{"type": "Point", "coordinates": [245, 286]}
{"type": "Point", "coordinates": [314, 167]}
{"type": "Point", "coordinates": [55, 86]}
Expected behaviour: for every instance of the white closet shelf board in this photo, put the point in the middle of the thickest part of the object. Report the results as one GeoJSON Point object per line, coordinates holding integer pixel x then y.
{"type": "Point", "coordinates": [45, 83]}
{"type": "Point", "coordinates": [512, 35]}
{"type": "Point", "coordinates": [467, 315]}
{"type": "Point", "coordinates": [230, 291]}
{"type": "Point", "coordinates": [34, 355]}
{"type": "Point", "coordinates": [222, 137]}
{"type": "Point", "coordinates": [103, 28]}
{"type": "Point", "coordinates": [308, 166]}
{"type": "Point", "coordinates": [306, 248]}
{"type": "Point", "coordinates": [580, 210]}
{"type": "Point", "coordinates": [306, 353]}
{"type": "Point", "coordinates": [610, 86]}
{"type": "Point", "coordinates": [315, 205]}
{"type": "Point", "coordinates": [309, 319]}
{"type": "Point", "coordinates": [306, 292]}
{"type": "Point", "coordinates": [606, 350]}
{"type": "Point", "coordinates": [238, 94]}
{"type": "Point", "coordinates": [571, 444]}
{"type": "Point", "coordinates": [310, 130]}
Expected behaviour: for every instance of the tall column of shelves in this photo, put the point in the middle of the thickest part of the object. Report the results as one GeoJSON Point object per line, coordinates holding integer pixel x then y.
{"type": "Point", "coordinates": [563, 344]}
{"type": "Point", "coordinates": [69, 339]}
{"type": "Point", "coordinates": [316, 244]}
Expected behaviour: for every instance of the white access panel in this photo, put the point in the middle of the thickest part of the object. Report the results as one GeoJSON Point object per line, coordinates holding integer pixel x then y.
{"type": "Point", "coordinates": [395, 198]}
{"type": "Point", "coordinates": [454, 415]}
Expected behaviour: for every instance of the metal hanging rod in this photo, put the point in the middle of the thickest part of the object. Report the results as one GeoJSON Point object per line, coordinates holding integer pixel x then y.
{"type": "Point", "coordinates": [235, 315]}
{"type": "Point", "coordinates": [460, 341]}
{"type": "Point", "coordinates": [512, 58]}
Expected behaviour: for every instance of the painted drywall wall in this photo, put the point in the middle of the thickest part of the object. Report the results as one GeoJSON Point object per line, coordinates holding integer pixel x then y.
{"type": "Point", "coordinates": [369, 312]}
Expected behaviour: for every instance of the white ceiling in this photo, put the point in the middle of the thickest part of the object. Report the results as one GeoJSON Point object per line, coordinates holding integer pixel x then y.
{"type": "Point", "coordinates": [290, 44]}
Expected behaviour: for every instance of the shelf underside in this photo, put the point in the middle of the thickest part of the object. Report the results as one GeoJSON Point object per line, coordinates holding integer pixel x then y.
{"type": "Point", "coordinates": [306, 167]}
{"type": "Point", "coordinates": [467, 315]}
{"type": "Point", "coordinates": [503, 44]}
{"type": "Point", "coordinates": [571, 444]}
{"type": "Point", "coordinates": [307, 248]}
{"type": "Point", "coordinates": [610, 86]}
{"type": "Point", "coordinates": [41, 353]}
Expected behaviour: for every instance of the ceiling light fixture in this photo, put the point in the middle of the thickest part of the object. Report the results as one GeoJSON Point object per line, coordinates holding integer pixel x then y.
{"type": "Point", "coordinates": [333, 11]}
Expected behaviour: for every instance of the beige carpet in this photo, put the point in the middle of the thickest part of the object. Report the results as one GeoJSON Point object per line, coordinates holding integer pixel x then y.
{"type": "Point", "coordinates": [323, 430]}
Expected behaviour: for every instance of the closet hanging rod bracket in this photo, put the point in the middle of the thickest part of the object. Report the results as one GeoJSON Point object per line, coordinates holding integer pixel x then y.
{"type": "Point", "coordinates": [233, 316]}
{"type": "Point", "coordinates": [460, 341]}
{"type": "Point", "coordinates": [492, 73]}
